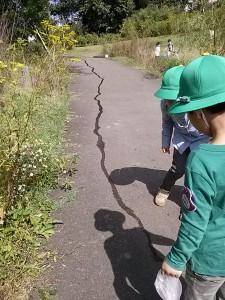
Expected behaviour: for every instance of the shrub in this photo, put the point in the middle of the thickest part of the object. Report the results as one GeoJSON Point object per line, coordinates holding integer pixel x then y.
{"type": "Point", "coordinates": [150, 21]}
{"type": "Point", "coordinates": [204, 30]}
{"type": "Point", "coordinates": [94, 39]}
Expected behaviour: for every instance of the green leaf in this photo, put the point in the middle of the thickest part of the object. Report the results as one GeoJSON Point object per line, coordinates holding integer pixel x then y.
{"type": "Point", "coordinates": [35, 220]}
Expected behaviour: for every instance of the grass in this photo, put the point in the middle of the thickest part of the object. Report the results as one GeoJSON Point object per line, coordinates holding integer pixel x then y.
{"type": "Point", "coordinates": [128, 53]}
{"type": "Point", "coordinates": [55, 111]}
{"type": "Point", "coordinates": [88, 51]}
{"type": "Point", "coordinates": [23, 232]}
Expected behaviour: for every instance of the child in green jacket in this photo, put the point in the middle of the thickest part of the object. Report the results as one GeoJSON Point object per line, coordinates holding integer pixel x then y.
{"type": "Point", "coordinates": [200, 243]}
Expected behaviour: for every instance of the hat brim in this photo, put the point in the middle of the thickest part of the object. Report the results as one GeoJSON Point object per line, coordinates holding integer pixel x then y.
{"type": "Point", "coordinates": [166, 94]}
{"type": "Point", "coordinates": [195, 104]}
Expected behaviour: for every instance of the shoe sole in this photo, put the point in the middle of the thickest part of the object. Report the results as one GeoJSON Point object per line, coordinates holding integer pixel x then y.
{"type": "Point", "coordinates": [160, 204]}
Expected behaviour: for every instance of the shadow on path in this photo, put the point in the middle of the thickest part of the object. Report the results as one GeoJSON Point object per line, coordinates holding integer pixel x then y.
{"type": "Point", "coordinates": [151, 177]}
{"type": "Point", "coordinates": [131, 258]}
{"type": "Point", "coordinates": [134, 259]}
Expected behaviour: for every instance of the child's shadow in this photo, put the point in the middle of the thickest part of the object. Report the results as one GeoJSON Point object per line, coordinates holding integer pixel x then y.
{"type": "Point", "coordinates": [132, 260]}
{"type": "Point", "coordinates": [151, 177]}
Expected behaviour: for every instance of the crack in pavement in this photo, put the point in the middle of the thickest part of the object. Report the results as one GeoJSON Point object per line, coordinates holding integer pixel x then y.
{"type": "Point", "coordinates": [101, 145]}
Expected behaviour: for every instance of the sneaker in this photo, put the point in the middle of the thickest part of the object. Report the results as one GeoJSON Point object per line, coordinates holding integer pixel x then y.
{"type": "Point", "coordinates": [161, 197]}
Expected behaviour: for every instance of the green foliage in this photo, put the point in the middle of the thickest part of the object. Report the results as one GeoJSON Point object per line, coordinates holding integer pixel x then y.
{"type": "Point", "coordinates": [129, 29]}
{"type": "Point", "coordinates": [150, 21]}
{"type": "Point", "coordinates": [195, 28]}
{"type": "Point", "coordinates": [57, 37]}
{"type": "Point", "coordinates": [65, 8]}
{"type": "Point", "coordinates": [94, 39]}
{"type": "Point", "coordinates": [20, 241]}
{"type": "Point", "coordinates": [99, 16]}
{"type": "Point", "coordinates": [33, 109]}
{"type": "Point", "coordinates": [163, 64]}
{"type": "Point", "coordinates": [95, 15]}
{"type": "Point", "coordinates": [24, 15]}
{"type": "Point", "coordinates": [141, 4]}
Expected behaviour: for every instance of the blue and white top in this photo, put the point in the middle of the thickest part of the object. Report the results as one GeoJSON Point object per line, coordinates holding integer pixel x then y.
{"type": "Point", "coordinates": [179, 129]}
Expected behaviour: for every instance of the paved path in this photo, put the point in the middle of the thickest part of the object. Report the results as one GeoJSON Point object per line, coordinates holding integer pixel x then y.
{"type": "Point", "coordinates": [114, 237]}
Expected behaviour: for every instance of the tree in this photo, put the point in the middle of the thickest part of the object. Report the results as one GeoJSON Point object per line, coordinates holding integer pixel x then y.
{"type": "Point", "coordinates": [24, 15]}
{"type": "Point", "coordinates": [96, 15]}
{"type": "Point", "coordinates": [205, 29]}
{"type": "Point", "coordinates": [122, 9]}
{"type": "Point", "coordinates": [65, 8]}
{"type": "Point", "coordinates": [32, 12]}
{"type": "Point", "coordinates": [141, 4]}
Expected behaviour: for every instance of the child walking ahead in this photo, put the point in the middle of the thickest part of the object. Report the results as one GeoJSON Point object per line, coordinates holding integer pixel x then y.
{"type": "Point", "coordinates": [177, 128]}
{"type": "Point", "coordinates": [201, 239]}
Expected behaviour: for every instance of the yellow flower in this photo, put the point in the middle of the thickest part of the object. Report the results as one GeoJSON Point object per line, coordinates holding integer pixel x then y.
{"type": "Point", "coordinates": [55, 40]}
{"type": "Point", "coordinates": [45, 22]}
{"type": "Point", "coordinates": [2, 80]}
{"type": "Point", "coordinates": [72, 34]}
{"type": "Point", "coordinates": [75, 59]}
{"type": "Point", "coordinates": [2, 65]}
{"type": "Point", "coordinates": [66, 27]}
{"type": "Point", "coordinates": [20, 66]}
{"type": "Point", "coordinates": [15, 69]}
{"type": "Point", "coordinates": [63, 50]}
{"type": "Point", "coordinates": [61, 69]}
{"type": "Point", "coordinates": [14, 82]}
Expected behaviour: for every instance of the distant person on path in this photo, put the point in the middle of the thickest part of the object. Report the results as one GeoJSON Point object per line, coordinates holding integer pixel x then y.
{"type": "Point", "coordinates": [170, 47]}
{"type": "Point", "coordinates": [31, 38]}
{"type": "Point", "coordinates": [157, 49]}
{"type": "Point", "coordinates": [184, 136]}
{"type": "Point", "coordinates": [200, 244]}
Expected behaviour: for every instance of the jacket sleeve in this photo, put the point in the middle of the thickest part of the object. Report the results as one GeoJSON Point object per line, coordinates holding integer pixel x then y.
{"type": "Point", "coordinates": [167, 125]}
{"type": "Point", "coordinates": [195, 222]}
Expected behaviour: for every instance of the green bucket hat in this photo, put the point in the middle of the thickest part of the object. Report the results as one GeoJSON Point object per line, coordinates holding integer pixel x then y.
{"type": "Point", "coordinates": [170, 84]}
{"type": "Point", "coordinates": [202, 84]}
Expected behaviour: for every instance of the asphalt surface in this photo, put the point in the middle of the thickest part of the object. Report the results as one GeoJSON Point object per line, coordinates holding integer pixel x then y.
{"type": "Point", "coordinates": [114, 238]}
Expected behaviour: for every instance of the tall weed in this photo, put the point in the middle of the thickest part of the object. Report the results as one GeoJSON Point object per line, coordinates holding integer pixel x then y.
{"type": "Point", "coordinates": [204, 31]}
{"type": "Point", "coordinates": [33, 108]}
{"type": "Point", "coordinates": [142, 53]}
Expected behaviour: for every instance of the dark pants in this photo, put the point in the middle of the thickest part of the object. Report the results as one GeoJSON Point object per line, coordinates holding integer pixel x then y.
{"type": "Point", "coordinates": [202, 287]}
{"type": "Point", "coordinates": [177, 169]}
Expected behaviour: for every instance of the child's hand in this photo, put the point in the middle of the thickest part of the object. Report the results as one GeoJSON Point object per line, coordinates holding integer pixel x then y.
{"type": "Point", "coordinates": [166, 150]}
{"type": "Point", "coordinates": [167, 270]}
